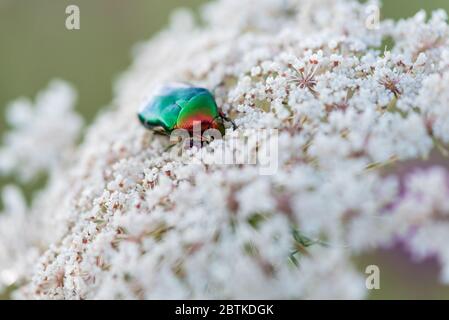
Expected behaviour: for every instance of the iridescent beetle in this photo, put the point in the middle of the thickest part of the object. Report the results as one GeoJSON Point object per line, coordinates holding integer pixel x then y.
{"type": "Point", "coordinates": [180, 107]}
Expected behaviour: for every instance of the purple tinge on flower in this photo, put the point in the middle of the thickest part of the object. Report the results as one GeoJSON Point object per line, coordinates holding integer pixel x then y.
{"type": "Point", "coordinates": [421, 214]}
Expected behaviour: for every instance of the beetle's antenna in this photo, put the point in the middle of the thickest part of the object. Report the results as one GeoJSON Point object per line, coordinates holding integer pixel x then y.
{"type": "Point", "coordinates": [226, 118]}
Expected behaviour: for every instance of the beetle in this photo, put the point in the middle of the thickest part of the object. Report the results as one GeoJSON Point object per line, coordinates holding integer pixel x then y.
{"type": "Point", "coordinates": [180, 107]}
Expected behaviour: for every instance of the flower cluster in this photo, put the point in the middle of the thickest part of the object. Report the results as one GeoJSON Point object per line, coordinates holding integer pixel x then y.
{"type": "Point", "coordinates": [42, 134]}
{"type": "Point", "coordinates": [360, 130]}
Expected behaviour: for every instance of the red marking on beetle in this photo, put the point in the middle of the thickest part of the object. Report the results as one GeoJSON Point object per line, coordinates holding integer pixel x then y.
{"type": "Point", "coordinates": [207, 122]}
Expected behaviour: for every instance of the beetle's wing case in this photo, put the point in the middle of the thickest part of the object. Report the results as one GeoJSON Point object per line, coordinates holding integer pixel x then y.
{"type": "Point", "coordinates": [200, 107]}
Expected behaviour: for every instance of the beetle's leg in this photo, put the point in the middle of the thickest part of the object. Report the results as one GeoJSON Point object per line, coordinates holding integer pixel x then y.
{"type": "Point", "coordinates": [170, 146]}
{"type": "Point", "coordinates": [161, 133]}
{"type": "Point", "coordinates": [194, 141]}
{"type": "Point", "coordinates": [226, 118]}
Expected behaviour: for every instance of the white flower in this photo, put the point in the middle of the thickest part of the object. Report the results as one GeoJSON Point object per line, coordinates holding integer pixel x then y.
{"type": "Point", "coordinates": [41, 135]}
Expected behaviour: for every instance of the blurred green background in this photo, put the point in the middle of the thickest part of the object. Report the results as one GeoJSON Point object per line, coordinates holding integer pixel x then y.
{"type": "Point", "coordinates": [35, 47]}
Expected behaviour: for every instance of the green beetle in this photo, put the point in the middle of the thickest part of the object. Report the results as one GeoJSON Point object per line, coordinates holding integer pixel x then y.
{"type": "Point", "coordinates": [180, 107]}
